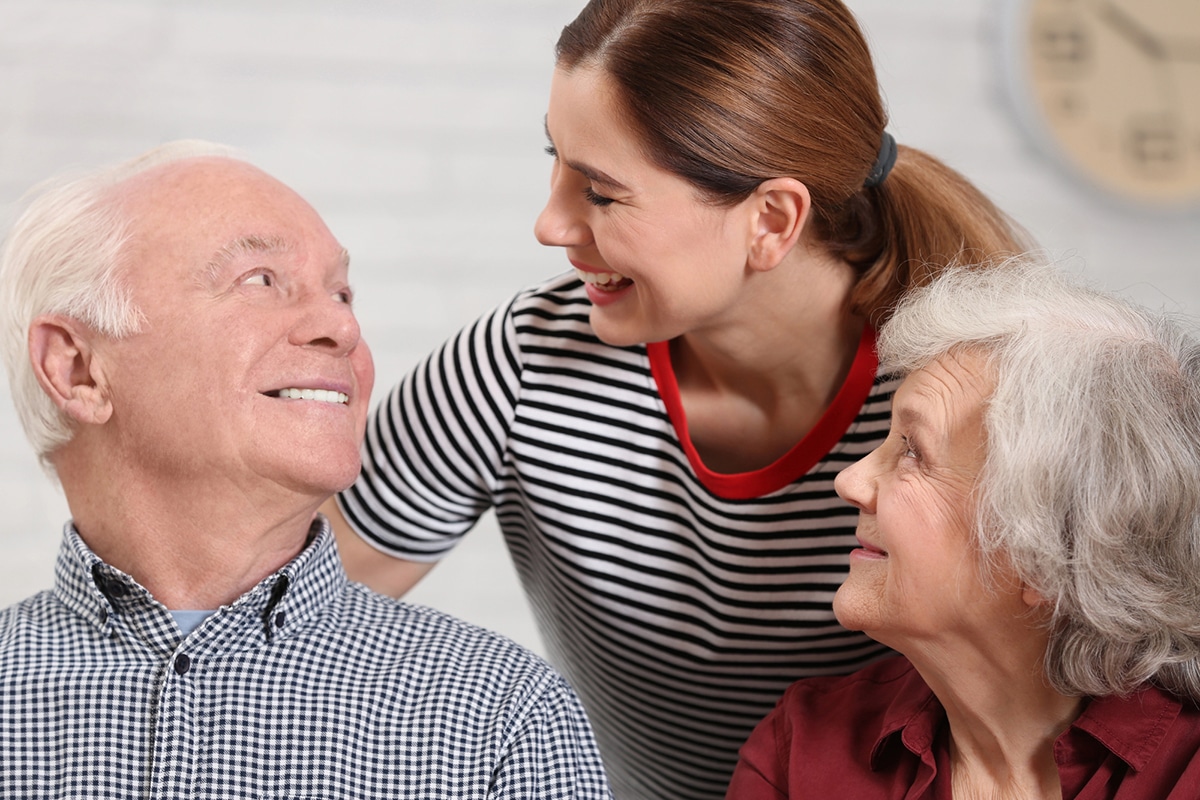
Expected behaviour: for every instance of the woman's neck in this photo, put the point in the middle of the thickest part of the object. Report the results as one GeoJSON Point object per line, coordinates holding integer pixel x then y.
{"type": "Point", "coordinates": [1004, 719]}
{"type": "Point", "coordinates": [756, 385]}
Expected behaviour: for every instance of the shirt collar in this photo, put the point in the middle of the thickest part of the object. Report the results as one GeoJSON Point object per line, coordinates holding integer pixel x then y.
{"type": "Point", "coordinates": [1131, 728]}
{"type": "Point", "coordinates": [99, 592]}
{"type": "Point", "coordinates": [914, 714]}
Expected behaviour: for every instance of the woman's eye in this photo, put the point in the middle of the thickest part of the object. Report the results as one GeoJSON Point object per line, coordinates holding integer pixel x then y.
{"type": "Point", "coordinates": [551, 151]}
{"type": "Point", "coordinates": [909, 450]}
{"type": "Point", "coordinates": [596, 199]}
{"type": "Point", "coordinates": [344, 296]}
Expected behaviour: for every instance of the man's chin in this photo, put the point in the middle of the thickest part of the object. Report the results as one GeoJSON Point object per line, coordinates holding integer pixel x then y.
{"type": "Point", "coordinates": [320, 481]}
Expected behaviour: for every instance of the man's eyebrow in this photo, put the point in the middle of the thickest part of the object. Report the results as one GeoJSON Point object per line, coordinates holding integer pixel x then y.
{"type": "Point", "coordinates": [244, 246]}
{"type": "Point", "coordinates": [589, 172]}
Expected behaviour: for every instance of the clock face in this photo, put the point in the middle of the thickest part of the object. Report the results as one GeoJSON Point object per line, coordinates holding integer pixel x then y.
{"type": "Point", "coordinates": [1115, 86]}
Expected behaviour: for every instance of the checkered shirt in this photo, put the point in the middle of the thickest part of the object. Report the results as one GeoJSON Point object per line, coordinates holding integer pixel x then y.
{"type": "Point", "coordinates": [308, 686]}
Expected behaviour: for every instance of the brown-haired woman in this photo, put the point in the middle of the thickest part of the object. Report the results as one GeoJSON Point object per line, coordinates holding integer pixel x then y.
{"type": "Point", "coordinates": [658, 431]}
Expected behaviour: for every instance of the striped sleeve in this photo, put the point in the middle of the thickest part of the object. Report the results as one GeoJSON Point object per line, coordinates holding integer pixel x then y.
{"type": "Point", "coordinates": [434, 447]}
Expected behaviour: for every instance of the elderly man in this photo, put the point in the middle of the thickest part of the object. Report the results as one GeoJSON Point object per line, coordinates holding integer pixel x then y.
{"type": "Point", "coordinates": [183, 355]}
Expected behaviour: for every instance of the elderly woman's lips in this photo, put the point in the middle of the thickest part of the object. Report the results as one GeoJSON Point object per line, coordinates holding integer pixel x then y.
{"type": "Point", "coordinates": [868, 550]}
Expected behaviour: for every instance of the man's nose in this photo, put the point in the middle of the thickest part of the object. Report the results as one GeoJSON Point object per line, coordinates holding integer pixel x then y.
{"type": "Point", "coordinates": [327, 322]}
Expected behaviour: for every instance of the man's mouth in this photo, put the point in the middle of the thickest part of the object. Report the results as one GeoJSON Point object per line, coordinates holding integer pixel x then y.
{"type": "Point", "coordinates": [319, 395]}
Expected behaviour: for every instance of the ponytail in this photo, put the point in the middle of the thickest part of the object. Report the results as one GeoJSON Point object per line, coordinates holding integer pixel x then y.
{"type": "Point", "coordinates": [924, 217]}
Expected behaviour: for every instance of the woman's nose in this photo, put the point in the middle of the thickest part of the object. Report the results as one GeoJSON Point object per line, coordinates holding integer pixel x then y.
{"type": "Point", "coordinates": [856, 484]}
{"type": "Point", "coordinates": [562, 222]}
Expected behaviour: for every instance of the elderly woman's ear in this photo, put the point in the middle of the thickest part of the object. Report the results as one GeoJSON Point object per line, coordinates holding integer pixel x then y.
{"type": "Point", "coordinates": [1032, 597]}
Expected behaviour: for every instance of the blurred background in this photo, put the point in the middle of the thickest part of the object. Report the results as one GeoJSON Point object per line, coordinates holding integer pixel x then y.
{"type": "Point", "coordinates": [415, 129]}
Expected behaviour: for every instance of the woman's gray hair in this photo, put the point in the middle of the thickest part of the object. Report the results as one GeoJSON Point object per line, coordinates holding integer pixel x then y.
{"type": "Point", "coordinates": [1091, 485]}
{"type": "Point", "coordinates": [64, 255]}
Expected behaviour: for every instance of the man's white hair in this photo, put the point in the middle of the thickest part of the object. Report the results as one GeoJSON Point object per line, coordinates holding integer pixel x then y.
{"type": "Point", "coordinates": [65, 255]}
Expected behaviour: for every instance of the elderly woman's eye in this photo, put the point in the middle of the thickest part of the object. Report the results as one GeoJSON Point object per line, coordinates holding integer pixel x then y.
{"type": "Point", "coordinates": [909, 450]}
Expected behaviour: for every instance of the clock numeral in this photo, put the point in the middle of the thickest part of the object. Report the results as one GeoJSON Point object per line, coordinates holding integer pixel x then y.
{"type": "Point", "coordinates": [1155, 146]}
{"type": "Point", "coordinates": [1062, 43]}
{"type": "Point", "coordinates": [1068, 105]}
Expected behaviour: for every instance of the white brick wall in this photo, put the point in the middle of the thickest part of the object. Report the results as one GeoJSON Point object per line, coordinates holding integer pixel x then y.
{"type": "Point", "coordinates": [416, 129]}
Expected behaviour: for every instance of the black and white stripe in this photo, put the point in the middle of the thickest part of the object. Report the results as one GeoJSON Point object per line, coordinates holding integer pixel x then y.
{"type": "Point", "coordinates": [679, 615]}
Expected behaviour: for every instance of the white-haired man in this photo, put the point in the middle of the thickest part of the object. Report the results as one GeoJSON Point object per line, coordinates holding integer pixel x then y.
{"type": "Point", "coordinates": [183, 355]}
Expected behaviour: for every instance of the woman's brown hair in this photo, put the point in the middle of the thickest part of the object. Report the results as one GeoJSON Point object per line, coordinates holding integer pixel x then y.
{"type": "Point", "coordinates": [729, 93]}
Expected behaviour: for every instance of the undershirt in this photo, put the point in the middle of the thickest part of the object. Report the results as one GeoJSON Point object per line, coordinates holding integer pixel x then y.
{"type": "Point", "coordinates": [188, 621]}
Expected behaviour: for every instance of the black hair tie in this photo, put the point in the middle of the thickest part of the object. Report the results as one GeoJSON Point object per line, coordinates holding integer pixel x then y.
{"type": "Point", "coordinates": [883, 162]}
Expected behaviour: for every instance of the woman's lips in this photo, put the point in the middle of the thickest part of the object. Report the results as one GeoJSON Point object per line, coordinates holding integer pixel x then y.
{"type": "Point", "coordinates": [602, 287]}
{"type": "Point", "coordinates": [867, 550]}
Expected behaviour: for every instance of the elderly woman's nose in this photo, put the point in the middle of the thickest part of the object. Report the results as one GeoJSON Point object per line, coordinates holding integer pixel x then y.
{"type": "Point", "coordinates": [855, 485]}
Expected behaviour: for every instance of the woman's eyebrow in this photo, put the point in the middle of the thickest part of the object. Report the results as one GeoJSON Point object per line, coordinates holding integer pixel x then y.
{"type": "Point", "coordinates": [587, 171]}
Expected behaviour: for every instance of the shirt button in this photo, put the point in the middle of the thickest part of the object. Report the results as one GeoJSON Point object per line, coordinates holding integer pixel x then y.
{"type": "Point", "coordinates": [279, 620]}
{"type": "Point", "coordinates": [182, 663]}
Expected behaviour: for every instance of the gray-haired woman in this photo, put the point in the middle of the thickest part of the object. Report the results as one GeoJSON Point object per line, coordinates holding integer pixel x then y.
{"type": "Point", "coordinates": [1030, 542]}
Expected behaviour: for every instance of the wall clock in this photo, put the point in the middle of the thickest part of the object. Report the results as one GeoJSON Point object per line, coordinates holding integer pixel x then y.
{"type": "Point", "coordinates": [1110, 90]}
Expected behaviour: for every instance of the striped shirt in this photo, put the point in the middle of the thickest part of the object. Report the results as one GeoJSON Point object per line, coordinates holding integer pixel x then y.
{"type": "Point", "coordinates": [308, 686]}
{"type": "Point", "coordinates": [679, 602]}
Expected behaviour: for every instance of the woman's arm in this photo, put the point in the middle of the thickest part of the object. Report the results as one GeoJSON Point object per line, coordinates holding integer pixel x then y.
{"type": "Point", "coordinates": [381, 572]}
{"type": "Point", "coordinates": [433, 451]}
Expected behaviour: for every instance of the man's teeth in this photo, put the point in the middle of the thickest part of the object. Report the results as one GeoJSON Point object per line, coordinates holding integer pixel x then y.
{"type": "Point", "coordinates": [600, 278]}
{"type": "Point", "coordinates": [320, 395]}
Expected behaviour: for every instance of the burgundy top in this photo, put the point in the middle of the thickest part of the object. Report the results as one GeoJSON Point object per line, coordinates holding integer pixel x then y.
{"type": "Point", "coordinates": [881, 733]}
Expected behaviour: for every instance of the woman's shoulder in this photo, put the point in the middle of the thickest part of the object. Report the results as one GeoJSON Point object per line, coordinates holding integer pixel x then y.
{"type": "Point", "coordinates": [875, 697]}
{"type": "Point", "coordinates": [561, 296]}
{"type": "Point", "coordinates": [822, 737]}
{"type": "Point", "coordinates": [552, 320]}
{"type": "Point", "coordinates": [886, 675]}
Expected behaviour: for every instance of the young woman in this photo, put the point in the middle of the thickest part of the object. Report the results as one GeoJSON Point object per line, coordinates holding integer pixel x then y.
{"type": "Point", "coordinates": [658, 430]}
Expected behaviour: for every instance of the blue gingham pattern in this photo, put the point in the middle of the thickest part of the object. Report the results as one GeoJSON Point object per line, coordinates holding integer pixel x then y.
{"type": "Point", "coordinates": [308, 686]}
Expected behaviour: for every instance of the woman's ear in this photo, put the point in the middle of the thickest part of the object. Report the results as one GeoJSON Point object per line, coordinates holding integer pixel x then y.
{"type": "Point", "coordinates": [67, 368]}
{"type": "Point", "coordinates": [1032, 597]}
{"type": "Point", "coordinates": [780, 207]}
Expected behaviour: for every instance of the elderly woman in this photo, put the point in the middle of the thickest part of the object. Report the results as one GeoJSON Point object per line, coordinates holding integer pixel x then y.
{"type": "Point", "coordinates": [1030, 542]}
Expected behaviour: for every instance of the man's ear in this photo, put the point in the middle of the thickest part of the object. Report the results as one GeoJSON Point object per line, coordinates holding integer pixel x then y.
{"type": "Point", "coordinates": [780, 207]}
{"type": "Point", "coordinates": [67, 368]}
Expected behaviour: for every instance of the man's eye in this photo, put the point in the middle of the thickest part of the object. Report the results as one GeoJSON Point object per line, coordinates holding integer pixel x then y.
{"type": "Point", "coordinates": [344, 296]}
{"type": "Point", "coordinates": [259, 279]}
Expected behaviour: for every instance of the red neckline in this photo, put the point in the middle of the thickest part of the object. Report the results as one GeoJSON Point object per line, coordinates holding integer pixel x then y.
{"type": "Point", "coordinates": [828, 431]}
